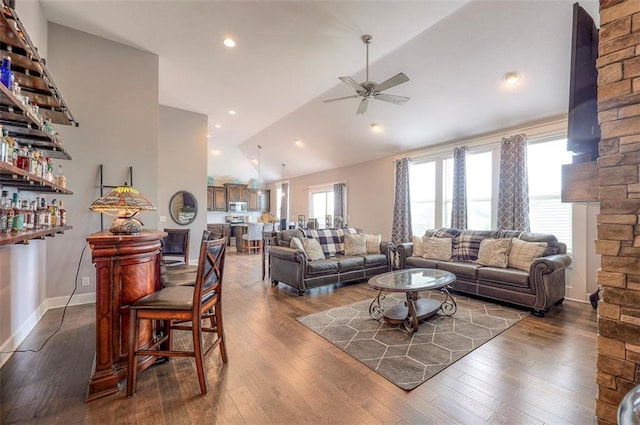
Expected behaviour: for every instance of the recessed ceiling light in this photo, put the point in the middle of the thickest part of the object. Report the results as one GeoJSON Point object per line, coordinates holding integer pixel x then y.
{"type": "Point", "coordinates": [255, 161]}
{"type": "Point", "coordinates": [298, 143]}
{"type": "Point", "coordinates": [232, 112]}
{"type": "Point", "coordinates": [216, 151]}
{"type": "Point", "coordinates": [217, 126]}
{"type": "Point", "coordinates": [208, 136]}
{"type": "Point", "coordinates": [511, 78]}
{"type": "Point", "coordinates": [229, 42]}
{"type": "Point", "coordinates": [376, 128]}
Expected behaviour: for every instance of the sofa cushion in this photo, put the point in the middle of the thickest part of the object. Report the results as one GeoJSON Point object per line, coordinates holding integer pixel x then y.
{"type": "Point", "coordinates": [421, 262]}
{"type": "Point", "coordinates": [284, 236]}
{"type": "Point", "coordinates": [321, 267]}
{"type": "Point", "coordinates": [355, 244]}
{"type": "Point", "coordinates": [551, 241]}
{"type": "Point", "coordinates": [313, 249]}
{"type": "Point", "coordinates": [494, 252]}
{"type": "Point", "coordinates": [469, 270]}
{"type": "Point", "coordinates": [351, 230]}
{"type": "Point", "coordinates": [331, 240]}
{"type": "Point", "coordinates": [374, 260]}
{"type": "Point", "coordinates": [418, 250]}
{"type": "Point", "coordinates": [346, 263]}
{"type": "Point", "coordinates": [523, 253]}
{"type": "Point", "coordinates": [437, 248]}
{"type": "Point", "coordinates": [373, 243]}
{"type": "Point", "coordinates": [513, 276]}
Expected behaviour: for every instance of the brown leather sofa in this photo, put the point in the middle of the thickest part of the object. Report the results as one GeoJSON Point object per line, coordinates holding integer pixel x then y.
{"type": "Point", "coordinates": [538, 289]}
{"type": "Point", "coordinates": [291, 266]}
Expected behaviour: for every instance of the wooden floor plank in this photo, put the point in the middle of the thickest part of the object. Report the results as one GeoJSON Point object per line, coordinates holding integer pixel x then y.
{"type": "Point", "coordinates": [540, 371]}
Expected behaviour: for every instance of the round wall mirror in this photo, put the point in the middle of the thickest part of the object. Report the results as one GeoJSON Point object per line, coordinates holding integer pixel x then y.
{"type": "Point", "coordinates": [183, 207]}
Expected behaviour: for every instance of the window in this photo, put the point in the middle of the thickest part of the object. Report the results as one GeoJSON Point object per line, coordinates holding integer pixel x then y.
{"type": "Point", "coordinates": [479, 188]}
{"type": "Point", "coordinates": [431, 185]}
{"type": "Point", "coordinates": [547, 213]}
{"type": "Point", "coordinates": [321, 205]}
{"type": "Point", "coordinates": [422, 186]}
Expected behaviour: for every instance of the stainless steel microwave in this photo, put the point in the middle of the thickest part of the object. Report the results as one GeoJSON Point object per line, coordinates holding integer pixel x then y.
{"type": "Point", "coordinates": [237, 206]}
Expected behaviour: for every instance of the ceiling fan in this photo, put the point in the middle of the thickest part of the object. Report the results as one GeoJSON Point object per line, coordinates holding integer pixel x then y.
{"type": "Point", "coordinates": [371, 90]}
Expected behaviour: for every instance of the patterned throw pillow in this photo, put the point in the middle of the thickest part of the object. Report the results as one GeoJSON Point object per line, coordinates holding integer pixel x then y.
{"type": "Point", "coordinates": [331, 240]}
{"type": "Point", "coordinates": [373, 244]}
{"type": "Point", "coordinates": [437, 248]}
{"type": "Point", "coordinates": [355, 244]}
{"type": "Point", "coordinates": [418, 250]}
{"type": "Point", "coordinates": [494, 252]}
{"type": "Point", "coordinates": [313, 249]}
{"type": "Point", "coordinates": [523, 253]}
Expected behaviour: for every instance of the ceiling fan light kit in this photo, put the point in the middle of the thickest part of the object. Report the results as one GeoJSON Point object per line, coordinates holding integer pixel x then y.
{"type": "Point", "coordinates": [371, 90]}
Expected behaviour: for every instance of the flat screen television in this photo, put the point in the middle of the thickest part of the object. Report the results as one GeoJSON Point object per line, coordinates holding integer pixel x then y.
{"type": "Point", "coordinates": [583, 133]}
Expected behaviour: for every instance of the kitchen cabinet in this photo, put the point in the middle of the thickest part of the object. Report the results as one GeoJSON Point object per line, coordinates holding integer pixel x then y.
{"type": "Point", "coordinates": [25, 122]}
{"type": "Point", "coordinates": [258, 200]}
{"type": "Point", "coordinates": [236, 192]}
{"type": "Point", "coordinates": [216, 198]}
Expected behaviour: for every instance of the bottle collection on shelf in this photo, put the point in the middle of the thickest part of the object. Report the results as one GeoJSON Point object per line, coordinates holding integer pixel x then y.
{"type": "Point", "coordinates": [8, 80]}
{"type": "Point", "coordinates": [30, 160]}
{"type": "Point", "coordinates": [22, 215]}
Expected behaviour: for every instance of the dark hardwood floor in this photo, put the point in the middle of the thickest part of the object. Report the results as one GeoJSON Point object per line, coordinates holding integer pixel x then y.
{"type": "Point", "coordinates": [540, 371]}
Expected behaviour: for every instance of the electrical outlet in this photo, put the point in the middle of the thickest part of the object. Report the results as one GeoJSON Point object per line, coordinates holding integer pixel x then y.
{"type": "Point", "coordinates": [85, 281]}
{"type": "Point", "coordinates": [163, 218]}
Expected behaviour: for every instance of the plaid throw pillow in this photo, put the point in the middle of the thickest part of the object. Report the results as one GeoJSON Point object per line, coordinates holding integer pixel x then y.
{"type": "Point", "coordinates": [468, 245]}
{"type": "Point", "coordinates": [523, 253]}
{"type": "Point", "coordinates": [331, 240]}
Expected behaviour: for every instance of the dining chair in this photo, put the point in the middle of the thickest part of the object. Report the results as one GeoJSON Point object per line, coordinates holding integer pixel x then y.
{"type": "Point", "coordinates": [183, 308]}
{"type": "Point", "coordinates": [183, 274]}
{"type": "Point", "coordinates": [175, 244]}
{"type": "Point", "coordinates": [252, 240]}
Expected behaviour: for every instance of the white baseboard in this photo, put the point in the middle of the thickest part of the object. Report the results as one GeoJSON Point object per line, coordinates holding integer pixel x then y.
{"type": "Point", "coordinates": [21, 334]}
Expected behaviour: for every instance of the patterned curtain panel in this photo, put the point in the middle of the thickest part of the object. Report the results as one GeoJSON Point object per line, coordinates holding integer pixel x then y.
{"type": "Point", "coordinates": [401, 229]}
{"type": "Point", "coordinates": [284, 213]}
{"type": "Point", "coordinates": [459, 202]}
{"type": "Point", "coordinates": [513, 192]}
{"type": "Point", "coordinates": [338, 204]}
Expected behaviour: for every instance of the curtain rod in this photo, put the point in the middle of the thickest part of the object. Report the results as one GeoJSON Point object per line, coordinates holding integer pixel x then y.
{"type": "Point", "coordinates": [541, 129]}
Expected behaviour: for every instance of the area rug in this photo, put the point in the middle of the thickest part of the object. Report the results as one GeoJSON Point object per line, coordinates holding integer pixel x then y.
{"type": "Point", "coordinates": [406, 359]}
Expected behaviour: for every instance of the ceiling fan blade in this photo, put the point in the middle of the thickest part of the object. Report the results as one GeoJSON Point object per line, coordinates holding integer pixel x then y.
{"type": "Point", "coordinates": [362, 108]}
{"type": "Point", "coordinates": [392, 82]}
{"type": "Point", "coordinates": [398, 100]}
{"type": "Point", "coordinates": [340, 98]}
{"type": "Point", "coordinates": [351, 82]}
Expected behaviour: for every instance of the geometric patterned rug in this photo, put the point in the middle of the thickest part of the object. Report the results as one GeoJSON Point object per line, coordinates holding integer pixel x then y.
{"type": "Point", "coordinates": [406, 359]}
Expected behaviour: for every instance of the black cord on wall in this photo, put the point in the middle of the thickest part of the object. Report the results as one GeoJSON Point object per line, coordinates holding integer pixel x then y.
{"type": "Point", "coordinates": [64, 312]}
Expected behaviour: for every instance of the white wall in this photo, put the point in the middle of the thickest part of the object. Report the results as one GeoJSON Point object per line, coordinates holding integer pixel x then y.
{"type": "Point", "coordinates": [183, 166]}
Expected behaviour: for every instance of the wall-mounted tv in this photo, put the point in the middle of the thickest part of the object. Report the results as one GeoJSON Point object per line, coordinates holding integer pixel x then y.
{"type": "Point", "coordinates": [583, 133]}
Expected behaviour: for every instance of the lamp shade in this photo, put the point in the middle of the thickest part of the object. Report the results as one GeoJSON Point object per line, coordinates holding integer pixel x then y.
{"type": "Point", "coordinates": [123, 202]}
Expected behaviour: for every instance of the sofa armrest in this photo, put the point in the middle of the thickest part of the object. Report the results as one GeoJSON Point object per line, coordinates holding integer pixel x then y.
{"type": "Point", "coordinates": [549, 264]}
{"type": "Point", "coordinates": [288, 254]}
{"type": "Point", "coordinates": [404, 250]}
{"type": "Point", "coordinates": [547, 277]}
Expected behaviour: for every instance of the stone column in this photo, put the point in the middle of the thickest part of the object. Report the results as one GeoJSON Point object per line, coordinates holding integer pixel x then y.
{"type": "Point", "coordinates": [618, 243]}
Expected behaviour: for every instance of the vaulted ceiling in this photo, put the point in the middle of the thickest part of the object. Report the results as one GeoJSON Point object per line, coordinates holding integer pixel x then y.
{"type": "Point", "coordinates": [289, 55]}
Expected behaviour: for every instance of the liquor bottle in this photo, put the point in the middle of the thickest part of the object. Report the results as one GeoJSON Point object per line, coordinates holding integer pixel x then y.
{"type": "Point", "coordinates": [62, 180]}
{"type": "Point", "coordinates": [63, 214]}
{"type": "Point", "coordinates": [3, 212]}
{"type": "Point", "coordinates": [53, 214]}
{"type": "Point", "coordinates": [5, 72]}
{"type": "Point", "coordinates": [4, 148]}
{"type": "Point", "coordinates": [44, 214]}
{"type": "Point", "coordinates": [18, 215]}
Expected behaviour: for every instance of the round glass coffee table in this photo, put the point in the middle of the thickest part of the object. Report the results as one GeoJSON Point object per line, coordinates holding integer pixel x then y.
{"type": "Point", "coordinates": [411, 282]}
